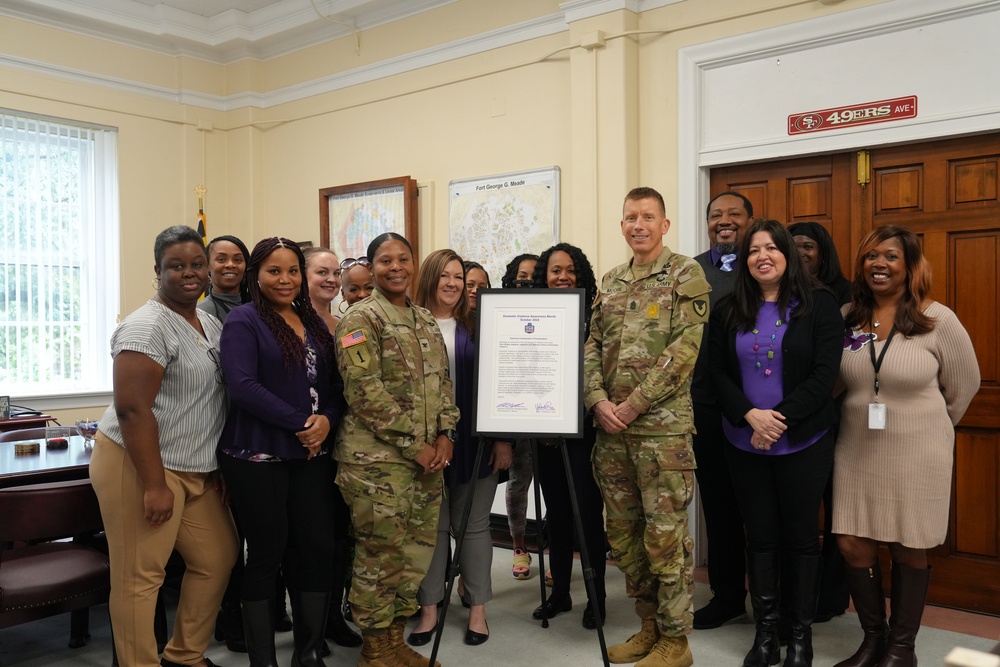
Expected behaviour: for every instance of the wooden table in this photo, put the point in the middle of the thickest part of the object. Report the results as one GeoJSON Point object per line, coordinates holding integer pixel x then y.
{"type": "Point", "coordinates": [30, 421]}
{"type": "Point", "coordinates": [48, 465]}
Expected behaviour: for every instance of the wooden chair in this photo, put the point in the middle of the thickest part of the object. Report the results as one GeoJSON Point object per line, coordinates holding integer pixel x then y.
{"type": "Point", "coordinates": [39, 577]}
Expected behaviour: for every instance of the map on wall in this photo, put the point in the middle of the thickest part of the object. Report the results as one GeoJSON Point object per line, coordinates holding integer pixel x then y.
{"type": "Point", "coordinates": [495, 218]}
{"type": "Point", "coordinates": [358, 217]}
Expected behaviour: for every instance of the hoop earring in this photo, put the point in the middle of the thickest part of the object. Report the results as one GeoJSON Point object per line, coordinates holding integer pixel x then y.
{"type": "Point", "coordinates": [155, 282]}
{"type": "Point", "coordinates": [340, 307]}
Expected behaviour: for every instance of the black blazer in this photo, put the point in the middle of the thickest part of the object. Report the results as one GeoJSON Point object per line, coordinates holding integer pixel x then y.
{"type": "Point", "coordinates": [722, 283]}
{"type": "Point", "coordinates": [811, 351]}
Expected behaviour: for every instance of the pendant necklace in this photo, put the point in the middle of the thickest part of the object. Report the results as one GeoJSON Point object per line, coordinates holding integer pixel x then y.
{"type": "Point", "coordinates": [770, 348]}
{"type": "Point", "coordinates": [875, 318]}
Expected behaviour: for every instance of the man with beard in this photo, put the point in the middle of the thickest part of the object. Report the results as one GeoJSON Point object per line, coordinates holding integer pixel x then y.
{"type": "Point", "coordinates": [727, 215]}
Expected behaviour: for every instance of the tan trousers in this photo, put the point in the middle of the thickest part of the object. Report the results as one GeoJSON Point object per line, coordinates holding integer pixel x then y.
{"type": "Point", "coordinates": [202, 531]}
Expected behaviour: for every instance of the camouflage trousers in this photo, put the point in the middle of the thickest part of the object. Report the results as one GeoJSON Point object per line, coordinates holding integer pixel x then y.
{"type": "Point", "coordinates": [394, 511]}
{"type": "Point", "coordinates": [647, 483]}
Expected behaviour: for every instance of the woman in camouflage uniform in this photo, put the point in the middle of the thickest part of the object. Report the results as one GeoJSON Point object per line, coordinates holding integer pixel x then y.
{"type": "Point", "coordinates": [392, 447]}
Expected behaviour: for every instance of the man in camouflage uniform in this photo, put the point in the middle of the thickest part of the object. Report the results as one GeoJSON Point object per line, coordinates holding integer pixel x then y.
{"type": "Point", "coordinates": [396, 383]}
{"type": "Point", "coordinates": [644, 338]}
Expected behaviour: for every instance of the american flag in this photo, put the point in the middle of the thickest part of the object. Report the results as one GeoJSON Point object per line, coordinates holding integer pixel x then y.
{"type": "Point", "coordinates": [353, 338]}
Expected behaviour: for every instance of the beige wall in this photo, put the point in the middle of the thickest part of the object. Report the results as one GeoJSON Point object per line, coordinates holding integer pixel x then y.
{"type": "Point", "coordinates": [606, 117]}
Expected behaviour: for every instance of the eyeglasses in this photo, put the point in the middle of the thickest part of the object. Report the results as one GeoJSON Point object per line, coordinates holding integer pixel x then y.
{"type": "Point", "coordinates": [213, 354]}
{"type": "Point", "coordinates": [348, 263]}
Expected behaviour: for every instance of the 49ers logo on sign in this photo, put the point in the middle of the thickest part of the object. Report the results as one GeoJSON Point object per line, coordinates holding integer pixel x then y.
{"type": "Point", "coordinates": [856, 114]}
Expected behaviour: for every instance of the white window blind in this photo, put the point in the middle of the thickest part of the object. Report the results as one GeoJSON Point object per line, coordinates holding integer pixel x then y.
{"type": "Point", "coordinates": [58, 255]}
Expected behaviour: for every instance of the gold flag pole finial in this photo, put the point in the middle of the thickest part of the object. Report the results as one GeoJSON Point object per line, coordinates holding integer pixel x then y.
{"type": "Point", "coordinates": [202, 223]}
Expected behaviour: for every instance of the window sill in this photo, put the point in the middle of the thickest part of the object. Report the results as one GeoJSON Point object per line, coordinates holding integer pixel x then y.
{"type": "Point", "coordinates": [49, 402]}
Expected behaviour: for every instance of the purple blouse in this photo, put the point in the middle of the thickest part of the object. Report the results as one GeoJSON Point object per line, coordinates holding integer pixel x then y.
{"type": "Point", "coordinates": [761, 368]}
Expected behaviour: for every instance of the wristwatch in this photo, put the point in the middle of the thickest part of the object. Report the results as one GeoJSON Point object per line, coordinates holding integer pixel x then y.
{"type": "Point", "coordinates": [449, 433]}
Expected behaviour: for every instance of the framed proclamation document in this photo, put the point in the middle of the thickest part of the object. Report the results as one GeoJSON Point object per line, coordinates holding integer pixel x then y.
{"type": "Point", "coordinates": [529, 363]}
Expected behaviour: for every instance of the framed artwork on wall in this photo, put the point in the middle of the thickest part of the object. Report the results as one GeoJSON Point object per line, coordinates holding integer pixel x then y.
{"type": "Point", "coordinates": [350, 216]}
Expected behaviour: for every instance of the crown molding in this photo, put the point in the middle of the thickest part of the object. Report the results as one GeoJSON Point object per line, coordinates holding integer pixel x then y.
{"type": "Point", "coordinates": [576, 10]}
{"type": "Point", "coordinates": [488, 41]}
{"type": "Point", "coordinates": [274, 30]}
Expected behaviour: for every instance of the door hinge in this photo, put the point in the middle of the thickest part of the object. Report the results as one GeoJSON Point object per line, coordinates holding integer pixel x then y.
{"type": "Point", "coordinates": [864, 167]}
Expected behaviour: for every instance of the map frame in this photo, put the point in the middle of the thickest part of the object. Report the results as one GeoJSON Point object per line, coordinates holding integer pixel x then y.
{"type": "Point", "coordinates": [480, 190]}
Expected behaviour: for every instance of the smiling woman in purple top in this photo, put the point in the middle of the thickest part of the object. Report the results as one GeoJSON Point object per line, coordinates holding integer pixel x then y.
{"type": "Point", "coordinates": [286, 396]}
{"type": "Point", "coordinates": [775, 346]}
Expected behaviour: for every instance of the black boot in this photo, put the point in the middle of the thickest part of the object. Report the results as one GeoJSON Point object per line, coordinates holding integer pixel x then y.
{"type": "Point", "coordinates": [869, 601]}
{"type": "Point", "coordinates": [258, 629]}
{"type": "Point", "coordinates": [336, 627]}
{"type": "Point", "coordinates": [309, 611]}
{"type": "Point", "coordinates": [229, 627]}
{"type": "Point", "coordinates": [762, 571]}
{"type": "Point", "coordinates": [804, 593]}
{"type": "Point", "coordinates": [909, 593]}
{"type": "Point", "coordinates": [282, 623]}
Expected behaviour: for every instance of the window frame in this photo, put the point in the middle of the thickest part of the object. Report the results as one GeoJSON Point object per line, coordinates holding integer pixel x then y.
{"type": "Point", "coordinates": [97, 209]}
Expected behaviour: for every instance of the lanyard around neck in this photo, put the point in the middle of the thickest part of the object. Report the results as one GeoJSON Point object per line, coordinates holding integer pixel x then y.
{"type": "Point", "coordinates": [877, 363]}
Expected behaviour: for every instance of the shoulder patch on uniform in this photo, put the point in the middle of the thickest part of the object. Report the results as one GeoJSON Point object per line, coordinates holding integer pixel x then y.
{"type": "Point", "coordinates": [700, 307]}
{"type": "Point", "coordinates": [354, 338]}
{"type": "Point", "coordinates": [696, 285]}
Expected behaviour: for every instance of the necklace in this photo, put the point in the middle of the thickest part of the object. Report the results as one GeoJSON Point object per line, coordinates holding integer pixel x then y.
{"type": "Point", "coordinates": [876, 318]}
{"type": "Point", "coordinates": [770, 348]}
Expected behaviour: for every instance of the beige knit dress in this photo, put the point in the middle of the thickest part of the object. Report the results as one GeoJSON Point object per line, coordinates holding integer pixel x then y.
{"type": "Point", "coordinates": [894, 485]}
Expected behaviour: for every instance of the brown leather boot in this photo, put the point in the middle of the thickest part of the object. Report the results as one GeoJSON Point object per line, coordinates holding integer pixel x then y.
{"type": "Point", "coordinates": [637, 646]}
{"type": "Point", "coordinates": [909, 594]}
{"type": "Point", "coordinates": [404, 653]}
{"type": "Point", "coordinates": [869, 601]}
{"type": "Point", "coordinates": [376, 652]}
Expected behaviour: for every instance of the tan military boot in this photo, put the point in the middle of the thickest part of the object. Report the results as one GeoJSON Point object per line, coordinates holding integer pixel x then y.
{"type": "Point", "coordinates": [376, 652]}
{"type": "Point", "coordinates": [669, 652]}
{"type": "Point", "coordinates": [404, 653]}
{"type": "Point", "coordinates": [637, 646]}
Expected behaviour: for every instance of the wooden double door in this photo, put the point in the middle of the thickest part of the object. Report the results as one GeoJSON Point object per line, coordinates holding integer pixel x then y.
{"type": "Point", "coordinates": [948, 192]}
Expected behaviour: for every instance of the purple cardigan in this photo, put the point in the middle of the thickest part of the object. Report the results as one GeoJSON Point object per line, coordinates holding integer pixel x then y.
{"type": "Point", "coordinates": [269, 402]}
{"type": "Point", "coordinates": [464, 453]}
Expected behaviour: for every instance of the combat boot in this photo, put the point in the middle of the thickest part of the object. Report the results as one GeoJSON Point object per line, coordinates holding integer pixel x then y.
{"type": "Point", "coordinates": [637, 646]}
{"type": "Point", "coordinates": [404, 653]}
{"type": "Point", "coordinates": [669, 652]}
{"type": "Point", "coordinates": [376, 652]}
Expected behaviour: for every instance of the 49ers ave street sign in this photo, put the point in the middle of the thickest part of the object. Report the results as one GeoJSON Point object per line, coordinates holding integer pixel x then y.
{"type": "Point", "coordinates": [855, 114]}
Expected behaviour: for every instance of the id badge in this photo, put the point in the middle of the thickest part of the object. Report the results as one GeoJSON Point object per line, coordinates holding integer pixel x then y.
{"type": "Point", "coordinates": [876, 416]}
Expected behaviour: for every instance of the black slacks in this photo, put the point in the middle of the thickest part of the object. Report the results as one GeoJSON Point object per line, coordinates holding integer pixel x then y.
{"type": "Point", "coordinates": [723, 519]}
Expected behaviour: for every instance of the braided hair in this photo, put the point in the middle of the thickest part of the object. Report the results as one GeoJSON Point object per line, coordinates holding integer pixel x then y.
{"type": "Point", "coordinates": [584, 276]}
{"type": "Point", "coordinates": [293, 349]}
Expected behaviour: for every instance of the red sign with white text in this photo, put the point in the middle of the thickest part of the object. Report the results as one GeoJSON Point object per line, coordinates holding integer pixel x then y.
{"type": "Point", "coordinates": [856, 114]}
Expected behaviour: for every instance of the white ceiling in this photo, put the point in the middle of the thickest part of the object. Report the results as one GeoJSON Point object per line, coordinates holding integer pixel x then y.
{"type": "Point", "coordinates": [217, 30]}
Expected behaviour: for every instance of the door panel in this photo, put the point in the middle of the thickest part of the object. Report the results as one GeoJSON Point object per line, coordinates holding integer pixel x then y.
{"type": "Point", "coordinates": [816, 189]}
{"type": "Point", "coordinates": [947, 192]}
